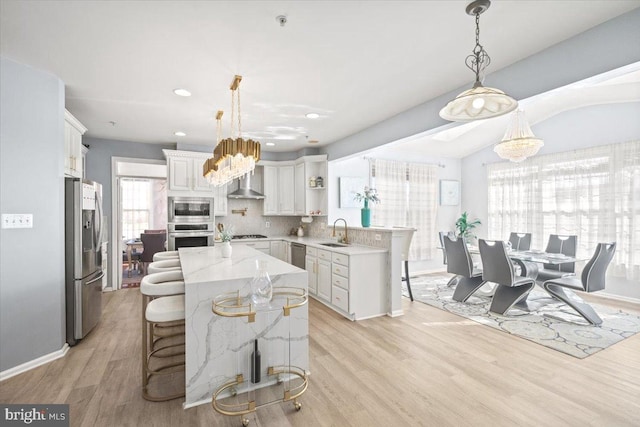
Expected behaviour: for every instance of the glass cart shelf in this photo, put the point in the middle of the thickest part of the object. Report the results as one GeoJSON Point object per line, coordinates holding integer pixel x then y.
{"type": "Point", "coordinates": [283, 381]}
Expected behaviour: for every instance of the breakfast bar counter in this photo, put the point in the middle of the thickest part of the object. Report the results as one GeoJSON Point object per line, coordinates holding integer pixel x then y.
{"type": "Point", "coordinates": [218, 348]}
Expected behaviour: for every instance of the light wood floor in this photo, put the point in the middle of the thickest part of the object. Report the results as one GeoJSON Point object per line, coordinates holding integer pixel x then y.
{"type": "Point", "coordinates": [427, 368]}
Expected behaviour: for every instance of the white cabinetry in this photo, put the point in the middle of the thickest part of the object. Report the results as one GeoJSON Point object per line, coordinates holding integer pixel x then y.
{"type": "Point", "coordinates": [184, 174]}
{"type": "Point", "coordinates": [185, 171]}
{"type": "Point", "coordinates": [279, 250]}
{"type": "Point", "coordinates": [353, 285]}
{"type": "Point", "coordinates": [316, 199]}
{"type": "Point", "coordinates": [220, 200]}
{"type": "Point", "coordinates": [311, 265]}
{"type": "Point", "coordinates": [278, 189]}
{"type": "Point", "coordinates": [73, 131]}
{"type": "Point", "coordinates": [299, 186]}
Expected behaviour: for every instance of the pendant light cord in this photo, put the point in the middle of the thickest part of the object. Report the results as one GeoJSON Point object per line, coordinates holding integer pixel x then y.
{"type": "Point", "coordinates": [479, 59]}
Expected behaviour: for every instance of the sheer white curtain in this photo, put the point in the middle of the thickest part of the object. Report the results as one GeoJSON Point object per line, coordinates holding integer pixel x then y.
{"type": "Point", "coordinates": [422, 209]}
{"type": "Point", "coordinates": [390, 179]}
{"type": "Point", "coordinates": [408, 194]}
{"type": "Point", "coordinates": [593, 193]}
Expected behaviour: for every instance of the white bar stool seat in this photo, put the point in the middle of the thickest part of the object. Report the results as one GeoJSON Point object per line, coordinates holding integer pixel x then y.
{"type": "Point", "coordinates": [165, 309]}
{"type": "Point", "coordinates": [159, 256]}
{"type": "Point", "coordinates": [164, 266]}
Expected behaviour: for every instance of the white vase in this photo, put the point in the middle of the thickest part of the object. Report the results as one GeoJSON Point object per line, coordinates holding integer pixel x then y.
{"type": "Point", "coordinates": [226, 249]}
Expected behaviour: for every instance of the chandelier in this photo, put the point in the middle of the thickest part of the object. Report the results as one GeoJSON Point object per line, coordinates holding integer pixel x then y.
{"type": "Point", "coordinates": [479, 102]}
{"type": "Point", "coordinates": [232, 157]}
{"type": "Point", "coordinates": [518, 142]}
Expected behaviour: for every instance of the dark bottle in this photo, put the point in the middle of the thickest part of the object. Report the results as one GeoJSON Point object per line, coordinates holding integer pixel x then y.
{"type": "Point", "coordinates": [255, 363]}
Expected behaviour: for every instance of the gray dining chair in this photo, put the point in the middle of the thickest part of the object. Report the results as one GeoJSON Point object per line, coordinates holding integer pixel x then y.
{"type": "Point", "coordinates": [441, 235]}
{"type": "Point", "coordinates": [152, 244]}
{"type": "Point", "coordinates": [520, 241]}
{"type": "Point", "coordinates": [559, 244]}
{"type": "Point", "coordinates": [498, 268]}
{"type": "Point", "coordinates": [592, 279]}
{"type": "Point", "coordinates": [459, 262]}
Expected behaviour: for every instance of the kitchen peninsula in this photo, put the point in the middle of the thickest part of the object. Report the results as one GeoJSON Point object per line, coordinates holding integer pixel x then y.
{"type": "Point", "coordinates": [219, 348]}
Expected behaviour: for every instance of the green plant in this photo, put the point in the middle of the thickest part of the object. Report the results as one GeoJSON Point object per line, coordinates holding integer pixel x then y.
{"type": "Point", "coordinates": [227, 234]}
{"type": "Point", "coordinates": [368, 195]}
{"type": "Point", "coordinates": [464, 226]}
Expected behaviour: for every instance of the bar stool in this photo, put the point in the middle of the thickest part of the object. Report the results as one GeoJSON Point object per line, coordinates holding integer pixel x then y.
{"type": "Point", "coordinates": [172, 264]}
{"type": "Point", "coordinates": [159, 256]}
{"type": "Point", "coordinates": [167, 307]}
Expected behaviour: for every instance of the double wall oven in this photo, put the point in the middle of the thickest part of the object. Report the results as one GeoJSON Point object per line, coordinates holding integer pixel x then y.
{"type": "Point", "coordinates": [191, 222]}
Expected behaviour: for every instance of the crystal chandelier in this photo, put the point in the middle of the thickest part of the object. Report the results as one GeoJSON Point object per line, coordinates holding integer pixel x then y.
{"type": "Point", "coordinates": [518, 142]}
{"type": "Point", "coordinates": [232, 157]}
{"type": "Point", "coordinates": [479, 102]}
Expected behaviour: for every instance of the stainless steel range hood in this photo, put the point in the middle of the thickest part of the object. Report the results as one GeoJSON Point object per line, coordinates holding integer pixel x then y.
{"type": "Point", "coordinates": [244, 190]}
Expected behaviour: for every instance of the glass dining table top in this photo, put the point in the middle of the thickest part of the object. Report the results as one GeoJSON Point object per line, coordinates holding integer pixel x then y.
{"type": "Point", "coordinates": [535, 256]}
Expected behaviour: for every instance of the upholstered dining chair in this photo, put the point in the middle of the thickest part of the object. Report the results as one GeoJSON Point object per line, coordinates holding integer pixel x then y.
{"type": "Point", "coordinates": [441, 235]}
{"type": "Point", "coordinates": [152, 244]}
{"type": "Point", "coordinates": [406, 245]}
{"type": "Point", "coordinates": [592, 279]}
{"type": "Point", "coordinates": [559, 244]}
{"type": "Point", "coordinates": [459, 262]}
{"type": "Point", "coordinates": [498, 268]}
{"type": "Point", "coordinates": [520, 241]}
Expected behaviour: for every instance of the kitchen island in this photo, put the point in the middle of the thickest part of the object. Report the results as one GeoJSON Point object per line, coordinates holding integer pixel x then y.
{"type": "Point", "coordinates": [219, 348]}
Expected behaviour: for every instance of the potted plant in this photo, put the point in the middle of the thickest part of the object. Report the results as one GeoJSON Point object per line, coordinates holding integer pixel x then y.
{"type": "Point", "coordinates": [226, 235]}
{"type": "Point", "coordinates": [368, 195]}
{"type": "Point", "coordinates": [464, 226]}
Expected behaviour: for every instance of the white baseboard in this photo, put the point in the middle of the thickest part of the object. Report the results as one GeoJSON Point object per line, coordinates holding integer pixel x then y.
{"type": "Point", "coordinates": [396, 313]}
{"type": "Point", "coordinates": [12, 372]}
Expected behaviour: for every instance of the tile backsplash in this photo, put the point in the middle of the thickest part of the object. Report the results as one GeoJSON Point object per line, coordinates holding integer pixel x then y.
{"type": "Point", "coordinates": [359, 236]}
{"type": "Point", "coordinates": [254, 222]}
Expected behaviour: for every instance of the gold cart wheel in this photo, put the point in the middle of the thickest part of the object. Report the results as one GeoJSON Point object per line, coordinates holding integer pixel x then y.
{"type": "Point", "coordinates": [245, 421]}
{"type": "Point", "coordinates": [297, 405]}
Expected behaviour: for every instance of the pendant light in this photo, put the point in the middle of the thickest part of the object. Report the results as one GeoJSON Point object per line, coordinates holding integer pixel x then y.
{"type": "Point", "coordinates": [479, 102]}
{"type": "Point", "coordinates": [518, 142]}
{"type": "Point", "coordinates": [232, 157]}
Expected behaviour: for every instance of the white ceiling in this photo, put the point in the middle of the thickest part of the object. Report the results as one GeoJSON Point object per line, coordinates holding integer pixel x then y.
{"type": "Point", "coordinates": [354, 62]}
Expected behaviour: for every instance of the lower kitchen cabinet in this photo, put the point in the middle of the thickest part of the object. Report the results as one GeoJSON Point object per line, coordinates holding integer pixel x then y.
{"type": "Point", "coordinates": [263, 246]}
{"type": "Point", "coordinates": [324, 279]}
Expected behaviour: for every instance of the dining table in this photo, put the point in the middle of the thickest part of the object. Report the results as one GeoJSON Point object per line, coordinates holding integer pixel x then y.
{"type": "Point", "coordinates": [132, 244]}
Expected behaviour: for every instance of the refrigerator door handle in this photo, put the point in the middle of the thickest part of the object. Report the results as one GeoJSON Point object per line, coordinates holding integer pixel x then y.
{"type": "Point", "coordinates": [96, 279]}
{"type": "Point", "coordinates": [99, 221]}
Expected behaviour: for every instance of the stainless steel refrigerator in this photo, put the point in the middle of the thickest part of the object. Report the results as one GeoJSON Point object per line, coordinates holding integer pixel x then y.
{"type": "Point", "coordinates": [83, 256]}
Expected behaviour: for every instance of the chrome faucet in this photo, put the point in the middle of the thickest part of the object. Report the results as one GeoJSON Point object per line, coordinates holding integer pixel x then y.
{"type": "Point", "coordinates": [345, 239]}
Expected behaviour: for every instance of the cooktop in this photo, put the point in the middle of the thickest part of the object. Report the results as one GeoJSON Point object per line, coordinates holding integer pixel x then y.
{"type": "Point", "coordinates": [249, 236]}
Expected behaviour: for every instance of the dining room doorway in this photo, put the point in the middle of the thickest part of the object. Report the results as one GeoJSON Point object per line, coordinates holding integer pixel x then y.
{"type": "Point", "coordinates": [140, 203]}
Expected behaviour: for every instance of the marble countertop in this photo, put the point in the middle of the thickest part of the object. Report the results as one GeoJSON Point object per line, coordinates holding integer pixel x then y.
{"type": "Point", "coordinates": [205, 264]}
{"type": "Point", "coordinates": [316, 242]}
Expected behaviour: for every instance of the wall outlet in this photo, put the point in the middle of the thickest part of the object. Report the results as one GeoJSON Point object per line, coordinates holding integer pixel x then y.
{"type": "Point", "coordinates": [17, 220]}
{"type": "Point", "coordinates": [267, 224]}
{"type": "Point", "coordinates": [378, 237]}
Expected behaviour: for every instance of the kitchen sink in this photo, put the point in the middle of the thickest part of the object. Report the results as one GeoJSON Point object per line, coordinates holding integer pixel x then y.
{"type": "Point", "coordinates": [334, 245]}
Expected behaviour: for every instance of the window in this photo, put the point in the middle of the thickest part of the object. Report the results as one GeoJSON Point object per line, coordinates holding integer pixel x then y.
{"type": "Point", "coordinates": [136, 206]}
{"type": "Point", "coordinates": [593, 193]}
{"type": "Point", "coordinates": [408, 198]}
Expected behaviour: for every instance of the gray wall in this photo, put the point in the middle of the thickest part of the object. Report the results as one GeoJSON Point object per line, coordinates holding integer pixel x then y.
{"type": "Point", "coordinates": [603, 48]}
{"type": "Point", "coordinates": [98, 168]}
{"type": "Point", "coordinates": [581, 128]}
{"type": "Point", "coordinates": [31, 181]}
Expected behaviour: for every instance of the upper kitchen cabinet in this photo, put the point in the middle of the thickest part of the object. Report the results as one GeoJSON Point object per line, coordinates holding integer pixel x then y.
{"type": "Point", "coordinates": [314, 188]}
{"type": "Point", "coordinates": [73, 131]}
{"type": "Point", "coordinates": [185, 172]}
{"type": "Point", "coordinates": [278, 188]}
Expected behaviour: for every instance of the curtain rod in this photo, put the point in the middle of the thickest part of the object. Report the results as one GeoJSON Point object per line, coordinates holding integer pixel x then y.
{"type": "Point", "coordinates": [440, 165]}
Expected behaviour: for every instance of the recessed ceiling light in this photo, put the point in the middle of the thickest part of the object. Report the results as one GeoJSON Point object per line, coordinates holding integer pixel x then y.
{"type": "Point", "coordinates": [312, 115]}
{"type": "Point", "coordinates": [180, 133]}
{"type": "Point", "coordinates": [182, 92]}
{"type": "Point", "coordinates": [270, 144]}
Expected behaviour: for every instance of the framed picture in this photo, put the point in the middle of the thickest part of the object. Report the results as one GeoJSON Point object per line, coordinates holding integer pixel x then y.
{"type": "Point", "coordinates": [349, 186]}
{"type": "Point", "coordinates": [449, 192]}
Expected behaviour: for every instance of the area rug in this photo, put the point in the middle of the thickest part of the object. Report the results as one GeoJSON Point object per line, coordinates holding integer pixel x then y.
{"type": "Point", "coordinates": [578, 340]}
